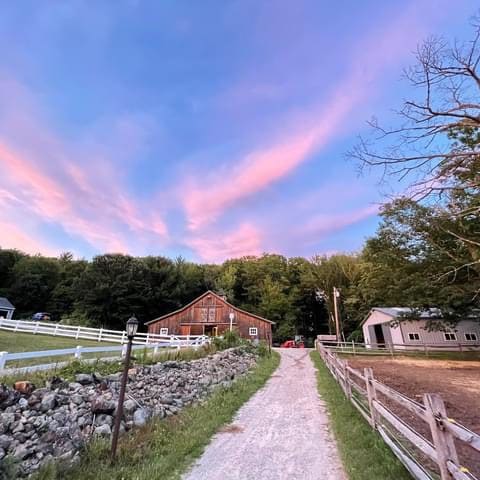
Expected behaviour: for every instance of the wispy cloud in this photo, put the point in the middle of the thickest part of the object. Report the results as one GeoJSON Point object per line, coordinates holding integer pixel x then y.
{"type": "Point", "coordinates": [239, 179]}
{"type": "Point", "coordinates": [54, 183]}
{"type": "Point", "coordinates": [217, 246]}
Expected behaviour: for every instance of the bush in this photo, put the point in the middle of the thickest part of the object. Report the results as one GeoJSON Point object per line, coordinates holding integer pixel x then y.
{"type": "Point", "coordinates": [229, 339]}
{"type": "Point", "coordinates": [8, 468]}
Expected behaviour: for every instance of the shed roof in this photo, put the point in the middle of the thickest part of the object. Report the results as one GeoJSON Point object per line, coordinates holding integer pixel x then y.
{"type": "Point", "coordinates": [208, 292]}
{"type": "Point", "coordinates": [396, 312]}
{"type": "Point", "coordinates": [5, 304]}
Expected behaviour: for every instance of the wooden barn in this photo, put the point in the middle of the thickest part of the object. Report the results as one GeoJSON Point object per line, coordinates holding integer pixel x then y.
{"type": "Point", "coordinates": [209, 315]}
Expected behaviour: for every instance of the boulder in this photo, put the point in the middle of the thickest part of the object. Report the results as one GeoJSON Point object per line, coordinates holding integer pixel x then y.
{"type": "Point", "coordinates": [103, 430]}
{"type": "Point", "coordinates": [24, 387]}
{"type": "Point", "coordinates": [84, 378]}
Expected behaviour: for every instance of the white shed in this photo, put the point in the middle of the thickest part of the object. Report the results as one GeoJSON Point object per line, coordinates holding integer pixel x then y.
{"type": "Point", "coordinates": [6, 308]}
{"type": "Point", "coordinates": [381, 328]}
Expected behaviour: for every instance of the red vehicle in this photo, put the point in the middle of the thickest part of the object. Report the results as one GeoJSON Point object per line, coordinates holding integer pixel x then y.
{"type": "Point", "coordinates": [292, 344]}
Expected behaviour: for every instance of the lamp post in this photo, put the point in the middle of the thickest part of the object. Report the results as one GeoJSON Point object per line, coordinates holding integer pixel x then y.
{"type": "Point", "coordinates": [231, 316]}
{"type": "Point", "coordinates": [132, 326]}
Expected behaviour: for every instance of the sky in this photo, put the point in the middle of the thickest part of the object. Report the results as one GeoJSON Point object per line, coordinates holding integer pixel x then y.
{"type": "Point", "coordinates": [210, 129]}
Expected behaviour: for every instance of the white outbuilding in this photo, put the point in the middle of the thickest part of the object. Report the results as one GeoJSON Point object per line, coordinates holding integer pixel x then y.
{"type": "Point", "coordinates": [6, 308]}
{"type": "Point", "coordinates": [382, 328]}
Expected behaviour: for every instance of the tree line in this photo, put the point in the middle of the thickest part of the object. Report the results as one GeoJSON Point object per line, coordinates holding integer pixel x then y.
{"type": "Point", "coordinates": [425, 253]}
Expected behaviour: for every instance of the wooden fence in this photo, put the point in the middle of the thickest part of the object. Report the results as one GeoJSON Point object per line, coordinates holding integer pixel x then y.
{"type": "Point", "coordinates": [400, 349]}
{"type": "Point", "coordinates": [366, 393]}
{"type": "Point", "coordinates": [95, 334]}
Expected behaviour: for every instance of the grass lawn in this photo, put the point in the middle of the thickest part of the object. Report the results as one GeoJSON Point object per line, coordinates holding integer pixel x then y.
{"type": "Point", "coordinates": [364, 454]}
{"type": "Point", "coordinates": [165, 449]}
{"type": "Point", "coordinates": [12, 342]}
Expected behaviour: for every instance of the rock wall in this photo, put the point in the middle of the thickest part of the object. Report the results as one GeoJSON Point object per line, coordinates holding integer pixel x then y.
{"type": "Point", "coordinates": [54, 422]}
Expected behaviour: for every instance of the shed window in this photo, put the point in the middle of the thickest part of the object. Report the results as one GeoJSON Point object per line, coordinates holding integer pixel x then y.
{"type": "Point", "coordinates": [450, 336]}
{"type": "Point", "coordinates": [253, 331]}
{"type": "Point", "coordinates": [414, 336]}
{"type": "Point", "coordinates": [471, 337]}
{"type": "Point", "coordinates": [164, 331]}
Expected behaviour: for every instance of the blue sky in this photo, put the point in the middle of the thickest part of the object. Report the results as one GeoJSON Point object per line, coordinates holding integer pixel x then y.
{"type": "Point", "coordinates": [207, 129]}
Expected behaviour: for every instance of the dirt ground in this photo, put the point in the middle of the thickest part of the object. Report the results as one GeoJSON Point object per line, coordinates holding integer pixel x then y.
{"type": "Point", "coordinates": [458, 382]}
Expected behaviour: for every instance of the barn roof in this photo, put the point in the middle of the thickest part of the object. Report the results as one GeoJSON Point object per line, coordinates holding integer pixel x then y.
{"type": "Point", "coordinates": [208, 292]}
{"type": "Point", "coordinates": [396, 312]}
{"type": "Point", "coordinates": [4, 303]}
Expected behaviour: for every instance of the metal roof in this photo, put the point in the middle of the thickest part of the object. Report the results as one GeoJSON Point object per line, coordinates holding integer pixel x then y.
{"type": "Point", "coordinates": [396, 312]}
{"type": "Point", "coordinates": [5, 304]}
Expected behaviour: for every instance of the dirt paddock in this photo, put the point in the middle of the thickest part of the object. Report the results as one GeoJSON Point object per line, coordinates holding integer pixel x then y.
{"type": "Point", "coordinates": [458, 382]}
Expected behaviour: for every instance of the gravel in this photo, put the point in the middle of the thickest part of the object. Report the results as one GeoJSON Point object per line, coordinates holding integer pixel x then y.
{"type": "Point", "coordinates": [281, 433]}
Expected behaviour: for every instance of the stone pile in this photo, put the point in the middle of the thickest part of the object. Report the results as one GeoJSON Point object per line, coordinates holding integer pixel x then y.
{"type": "Point", "coordinates": [39, 425]}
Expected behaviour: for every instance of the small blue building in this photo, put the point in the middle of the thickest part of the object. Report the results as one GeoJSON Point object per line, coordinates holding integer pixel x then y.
{"type": "Point", "coordinates": [6, 308]}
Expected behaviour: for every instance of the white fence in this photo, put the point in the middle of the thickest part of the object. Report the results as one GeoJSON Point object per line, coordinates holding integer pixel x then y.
{"type": "Point", "coordinates": [141, 341]}
{"type": "Point", "coordinates": [78, 351]}
{"type": "Point", "coordinates": [99, 334]}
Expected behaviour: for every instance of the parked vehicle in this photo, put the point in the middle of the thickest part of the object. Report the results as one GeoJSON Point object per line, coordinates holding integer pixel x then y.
{"type": "Point", "coordinates": [293, 344]}
{"type": "Point", "coordinates": [41, 317]}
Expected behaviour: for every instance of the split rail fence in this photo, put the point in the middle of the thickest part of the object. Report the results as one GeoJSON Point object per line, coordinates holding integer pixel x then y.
{"type": "Point", "coordinates": [393, 349]}
{"type": "Point", "coordinates": [366, 394]}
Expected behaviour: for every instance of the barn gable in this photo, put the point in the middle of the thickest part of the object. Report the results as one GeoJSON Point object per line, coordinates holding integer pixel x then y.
{"type": "Point", "coordinates": [209, 314]}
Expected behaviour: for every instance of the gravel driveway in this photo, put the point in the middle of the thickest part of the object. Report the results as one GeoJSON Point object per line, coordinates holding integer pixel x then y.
{"type": "Point", "coordinates": [280, 433]}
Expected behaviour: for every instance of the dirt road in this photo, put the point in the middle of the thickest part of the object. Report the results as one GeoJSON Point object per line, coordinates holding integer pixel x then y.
{"type": "Point", "coordinates": [280, 433]}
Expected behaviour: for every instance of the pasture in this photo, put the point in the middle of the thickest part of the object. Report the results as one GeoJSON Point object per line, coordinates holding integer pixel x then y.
{"type": "Point", "coordinates": [457, 381]}
{"type": "Point", "coordinates": [26, 342]}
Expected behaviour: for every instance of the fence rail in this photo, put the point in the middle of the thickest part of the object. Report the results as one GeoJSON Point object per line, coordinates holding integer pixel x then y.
{"type": "Point", "coordinates": [363, 390]}
{"type": "Point", "coordinates": [95, 334]}
{"type": "Point", "coordinates": [400, 349]}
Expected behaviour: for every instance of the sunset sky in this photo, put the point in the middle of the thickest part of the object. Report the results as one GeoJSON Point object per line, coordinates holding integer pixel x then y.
{"type": "Point", "coordinates": [207, 129]}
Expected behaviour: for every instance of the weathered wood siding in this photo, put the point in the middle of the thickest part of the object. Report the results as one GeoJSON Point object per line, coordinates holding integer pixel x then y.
{"type": "Point", "coordinates": [209, 311]}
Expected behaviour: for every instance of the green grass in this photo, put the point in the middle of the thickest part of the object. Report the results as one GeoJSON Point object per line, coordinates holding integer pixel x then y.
{"type": "Point", "coordinates": [164, 449]}
{"type": "Point", "coordinates": [364, 454]}
{"type": "Point", "coordinates": [12, 342]}
{"type": "Point", "coordinates": [139, 357]}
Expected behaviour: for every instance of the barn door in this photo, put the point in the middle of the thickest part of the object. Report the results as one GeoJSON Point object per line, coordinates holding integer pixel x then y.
{"type": "Point", "coordinates": [184, 329]}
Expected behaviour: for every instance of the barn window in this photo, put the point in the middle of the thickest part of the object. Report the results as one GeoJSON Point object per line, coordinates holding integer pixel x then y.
{"type": "Point", "coordinates": [414, 336]}
{"type": "Point", "coordinates": [471, 337]}
{"type": "Point", "coordinates": [253, 331]}
{"type": "Point", "coordinates": [450, 336]}
{"type": "Point", "coordinates": [164, 331]}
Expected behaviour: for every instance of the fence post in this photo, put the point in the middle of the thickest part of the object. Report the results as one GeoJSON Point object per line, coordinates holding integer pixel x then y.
{"type": "Point", "coordinates": [78, 352]}
{"type": "Point", "coordinates": [442, 439]}
{"type": "Point", "coordinates": [371, 394]}
{"type": "Point", "coordinates": [353, 347]}
{"type": "Point", "coordinates": [3, 359]}
{"type": "Point", "coordinates": [55, 332]}
{"type": "Point", "coordinates": [348, 385]}
{"type": "Point", "coordinates": [36, 328]}
{"type": "Point", "coordinates": [124, 350]}
{"type": "Point", "coordinates": [123, 338]}
{"type": "Point", "coordinates": [78, 333]}
{"type": "Point", "coordinates": [100, 335]}
{"type": "Point", "coordinates": [16, 326]}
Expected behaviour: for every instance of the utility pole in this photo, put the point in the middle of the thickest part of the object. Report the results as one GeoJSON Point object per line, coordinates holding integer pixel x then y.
{"type": "Point", "coordinates": [336, 295]}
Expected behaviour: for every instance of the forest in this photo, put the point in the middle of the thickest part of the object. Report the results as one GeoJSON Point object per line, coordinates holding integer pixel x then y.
{"type": "Point", "coordinates": [425, 252]}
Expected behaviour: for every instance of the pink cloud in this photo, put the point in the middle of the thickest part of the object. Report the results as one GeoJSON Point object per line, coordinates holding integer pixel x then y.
{"type": "Point", "coordinates": [217, 246]}
{"type": "Point", "coordinates": [81, 191]}
{"type": "Point", "coordinates": [13, 237]}
{"type": "Point", "coordinates": [256, 171]}
{"type": "Point", "coordinates": [322, 225]}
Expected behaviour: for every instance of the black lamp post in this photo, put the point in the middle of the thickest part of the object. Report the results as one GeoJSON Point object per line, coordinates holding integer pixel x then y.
{"type": "Point", "coordinates": [132, 326]}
